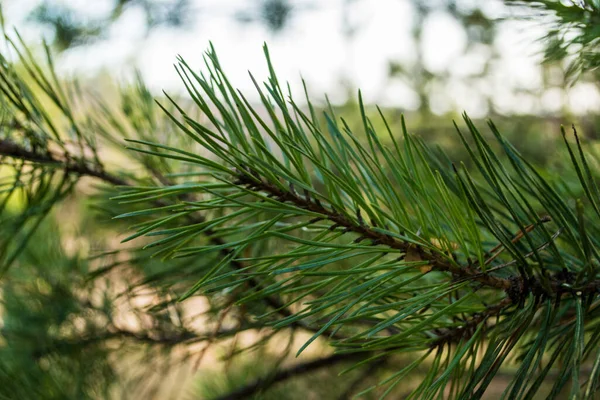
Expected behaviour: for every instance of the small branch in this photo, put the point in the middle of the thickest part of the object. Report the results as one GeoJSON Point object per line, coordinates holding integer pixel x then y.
{"type": "Point", "coordinates": [438, 262]}
{"type": "Point", "coordinates": [13, 150]}
{"type": "Point", "coordinates": [517, 287]}
{"type": "Point", "coordinates": [182, 338]}
{"type": "Point", "coordinates": [292, 372]}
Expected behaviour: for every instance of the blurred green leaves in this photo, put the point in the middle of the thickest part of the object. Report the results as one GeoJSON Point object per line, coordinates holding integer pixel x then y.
{"type": "Point", "coordinates": [72, 28]}
{"type": "Point", "coordinates": [573, 32]}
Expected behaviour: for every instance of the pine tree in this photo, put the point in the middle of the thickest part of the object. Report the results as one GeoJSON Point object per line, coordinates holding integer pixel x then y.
{"type": "Point", "coordinates": [417, 275]}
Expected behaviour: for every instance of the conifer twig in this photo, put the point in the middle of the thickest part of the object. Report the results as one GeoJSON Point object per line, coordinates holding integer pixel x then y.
{"type": "Point", "coordinates": [13, 150]}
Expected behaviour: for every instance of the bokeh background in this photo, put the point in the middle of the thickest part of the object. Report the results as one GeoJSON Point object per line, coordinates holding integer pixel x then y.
{"type": "Point", "coordinates": [430, 56]}
{"type": "Point", "coordinates": [425, 58]}
{"type": "Point", "coordinates": [430, 60]}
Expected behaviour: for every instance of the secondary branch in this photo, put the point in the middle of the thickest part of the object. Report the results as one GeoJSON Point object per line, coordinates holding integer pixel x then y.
{"type": "Point", "coordinates": [13, 150]}
{"type": "Point", "coordinates": [298, 370]}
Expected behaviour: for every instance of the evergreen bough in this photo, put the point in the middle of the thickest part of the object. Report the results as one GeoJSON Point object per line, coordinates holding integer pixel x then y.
{"type": "Point", "coordinates": [371, 240]}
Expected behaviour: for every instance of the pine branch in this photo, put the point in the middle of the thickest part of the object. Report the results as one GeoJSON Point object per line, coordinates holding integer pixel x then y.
{"type": "Point", "coordinates": [517, 287]}
{"type": "Point", "coordinates": [365, 231]}
{"type": "Point", "coordinates": [407, 282]}
{"type": "Point", "coordinates": [434, 219]}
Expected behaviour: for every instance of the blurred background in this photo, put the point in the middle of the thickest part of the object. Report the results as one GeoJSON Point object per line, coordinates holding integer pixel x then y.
{"type": "Point", "coordinates": [430, 60]}
{"type": "Point", "coordinates": [427, 58]}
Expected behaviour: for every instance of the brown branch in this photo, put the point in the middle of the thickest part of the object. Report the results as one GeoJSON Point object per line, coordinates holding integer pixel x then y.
{"type": "Point", "coordinates": [13, 150]}
{"type": "Point", "coordinates": [438, 262]}
{"type": "Point", "coordinates": [517, 287]}
{"type": "Point", "coordinates": [266, 382]}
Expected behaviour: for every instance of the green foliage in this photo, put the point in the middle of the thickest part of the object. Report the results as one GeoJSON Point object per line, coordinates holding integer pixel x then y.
{"type": "Point", "coordinates": [388, 249]}
{"type": "Point", "coordinates": [63, 315]}
{"type": "Point", "coordinates": [48, 349]}
{"type": "Point", "coordinates": [282, 218]}
{"type": "Point", "coordinates": [573, 34]}
{"type": "Point", "coordinates": [68, 30]}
